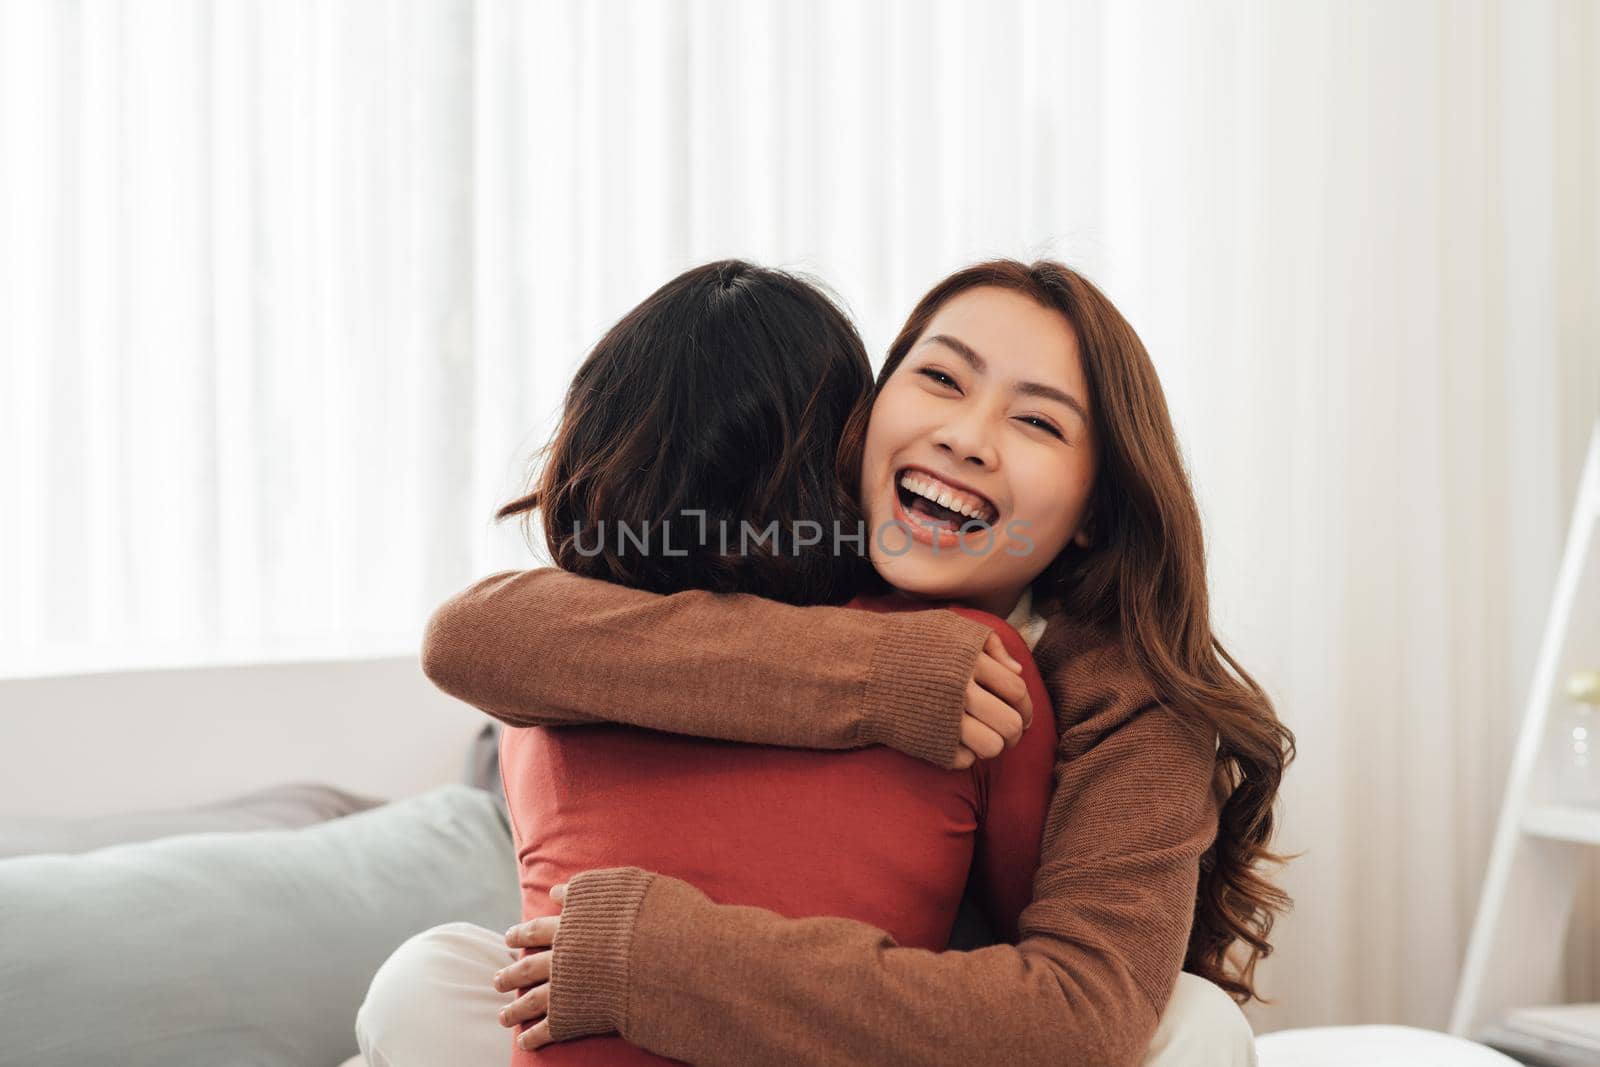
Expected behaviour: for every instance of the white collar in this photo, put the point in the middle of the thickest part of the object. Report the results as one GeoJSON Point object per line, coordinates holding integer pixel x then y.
{"type": "Point", "coordinates": [1024, 620]}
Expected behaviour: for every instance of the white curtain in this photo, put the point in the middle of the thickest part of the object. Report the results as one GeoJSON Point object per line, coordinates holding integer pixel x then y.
{"type": "Point", "coordinates": [289, 291]}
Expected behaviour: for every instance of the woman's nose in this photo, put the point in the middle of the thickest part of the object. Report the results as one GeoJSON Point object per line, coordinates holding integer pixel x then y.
{"type": "Point", "coordinates": [965, 441]}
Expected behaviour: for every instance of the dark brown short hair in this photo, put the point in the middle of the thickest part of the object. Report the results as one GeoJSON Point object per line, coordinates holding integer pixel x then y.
{"type": "Point", "coordinates": [735, 390]}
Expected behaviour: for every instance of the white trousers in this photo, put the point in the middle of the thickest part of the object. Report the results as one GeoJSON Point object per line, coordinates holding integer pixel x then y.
{"type": "Point", "coordinates": [433, 1003]}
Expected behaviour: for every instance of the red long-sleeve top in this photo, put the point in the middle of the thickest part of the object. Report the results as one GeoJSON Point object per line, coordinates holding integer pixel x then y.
{"type": "Point", "coordinates": [867, 834]}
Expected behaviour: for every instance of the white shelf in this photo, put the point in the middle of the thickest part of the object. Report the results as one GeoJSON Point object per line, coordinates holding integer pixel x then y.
{"type": "Point", "coordinates": [1514, 955]}
{"type": "Point", "coordinates": [1559, 822]}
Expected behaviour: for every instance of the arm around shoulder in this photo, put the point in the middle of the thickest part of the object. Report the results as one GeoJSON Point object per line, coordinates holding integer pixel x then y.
{"type": "Point", "coordinates": [546, 648]}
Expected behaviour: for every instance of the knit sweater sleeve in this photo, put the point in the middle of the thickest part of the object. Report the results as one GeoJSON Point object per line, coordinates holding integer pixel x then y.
{"type": "Point", "coordinates": [1101, 942]}
{"type": "Point", "coordinates": [549, 648]}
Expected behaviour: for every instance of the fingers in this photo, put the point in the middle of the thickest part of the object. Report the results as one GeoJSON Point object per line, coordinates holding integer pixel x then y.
{"type": "Point", "coordinates": [983, 742]}
{"type": "Point", "coordinates": [535, 933]}
{"type": "Point", "coordinates": [998, 709]}
{"type": "Point", "coordinates": [535, 1036]}
{"type": "Point", "coordinates": [1006, 685]}
{"type": "Point", "coordinates": [527, 971]}
{"type": "Point", "coordinates": [995, 648]}
{"type": "Point", "coordinates": [988, 710]}
{"type": "Point", "coordinates": [530, 973]}
{"type": "Point", "coordinates": [531, 1005]}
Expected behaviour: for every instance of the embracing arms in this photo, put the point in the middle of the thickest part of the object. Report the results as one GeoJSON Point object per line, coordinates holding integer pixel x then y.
{"type": "Point", "coordinates": [654, 959]}
{"type": "Point", "coordinates": [549, 648]}
{"type": "Point", "coordinates": [1101, 943]}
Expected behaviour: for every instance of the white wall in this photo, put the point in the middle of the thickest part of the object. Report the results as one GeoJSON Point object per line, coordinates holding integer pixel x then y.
{"type": "Point", "coordinates": [97, 743]}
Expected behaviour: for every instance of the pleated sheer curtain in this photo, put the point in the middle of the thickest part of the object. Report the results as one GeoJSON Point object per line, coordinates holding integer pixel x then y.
{"type": "Point", "coordinates": [290, 291]}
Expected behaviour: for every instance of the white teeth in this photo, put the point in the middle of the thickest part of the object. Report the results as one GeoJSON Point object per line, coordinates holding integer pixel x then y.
{"type": "Point", "coordinates": [945, 497]}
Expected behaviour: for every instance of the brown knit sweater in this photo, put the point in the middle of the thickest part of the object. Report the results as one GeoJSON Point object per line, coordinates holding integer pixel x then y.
{"type": "Point", "coordinates": [655, 960]}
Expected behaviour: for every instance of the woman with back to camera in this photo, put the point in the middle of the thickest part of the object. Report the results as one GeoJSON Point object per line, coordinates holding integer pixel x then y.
{"type": "Point", "coordinates": [1026, 383]}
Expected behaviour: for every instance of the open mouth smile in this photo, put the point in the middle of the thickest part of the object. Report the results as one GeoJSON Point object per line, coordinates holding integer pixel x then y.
{"type": "Point", "coordinates": [938, 512]}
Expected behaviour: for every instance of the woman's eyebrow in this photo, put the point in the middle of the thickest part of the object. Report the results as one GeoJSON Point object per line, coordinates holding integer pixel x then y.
{"type": "Point", "coordinates": [979, 364]}
{"type": "Point", "coordinates": [960, 348]}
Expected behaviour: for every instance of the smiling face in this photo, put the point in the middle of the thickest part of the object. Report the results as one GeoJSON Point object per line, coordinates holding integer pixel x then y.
{"type": "Point", "coordinates": [984, 427]}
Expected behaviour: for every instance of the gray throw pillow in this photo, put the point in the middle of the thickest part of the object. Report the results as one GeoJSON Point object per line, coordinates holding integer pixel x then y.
{"type": "Point", "coordinates": [283, 807]}
{"type": "Point", "coordinates": [236, 948]}
{"type": "Point", "coordinates": [483, 765]}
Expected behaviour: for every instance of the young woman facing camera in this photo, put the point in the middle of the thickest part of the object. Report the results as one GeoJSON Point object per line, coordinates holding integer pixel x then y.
{"type": "Point", "coordinates": [1016, 399]}
{"type": "Point", "coordinates": [986, 461]}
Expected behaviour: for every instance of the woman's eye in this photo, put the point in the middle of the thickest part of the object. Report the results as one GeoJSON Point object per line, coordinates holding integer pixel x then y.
{"type": "Point", "coordinates": [1034, 420]}
{"type": "Point", "coordinates": [939, 376]}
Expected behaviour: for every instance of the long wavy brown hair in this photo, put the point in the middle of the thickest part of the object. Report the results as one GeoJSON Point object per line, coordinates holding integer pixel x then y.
{"type": "Point", "coordinates": [1144, 580]}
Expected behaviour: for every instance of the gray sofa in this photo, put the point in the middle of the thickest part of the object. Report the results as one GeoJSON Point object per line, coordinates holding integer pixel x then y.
{"type": "Point", "coordinates": [239, 933]}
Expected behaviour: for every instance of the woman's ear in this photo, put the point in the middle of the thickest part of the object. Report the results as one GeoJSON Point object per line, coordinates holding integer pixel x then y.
{"type": "Point", "coordinates": [1084, 538]}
